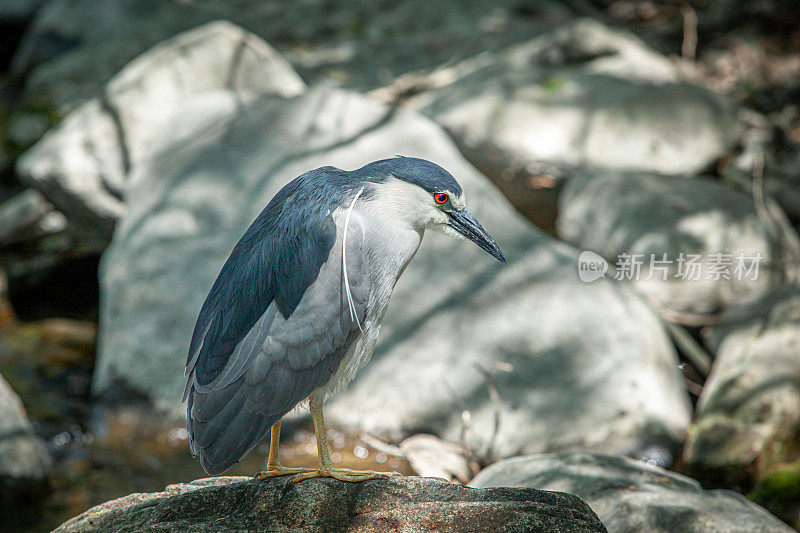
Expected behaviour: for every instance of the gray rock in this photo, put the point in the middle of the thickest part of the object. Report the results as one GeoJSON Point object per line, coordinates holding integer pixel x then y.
{"type": "Point", "coordinates": [630, 495]}
{"type": "Point", "coordinates": [576, 365]}
{"type": "Point", "coordinates": [394, 504]}
{"type": "Point", "coordinates": [82, 165]}
{"type": "Point", "coordinates": [24, 460]}
{"type": "Point", "coordinates": [581, 95]}
{"type": "Point", "coordinates": [29, 223]}
{"type": "Point", "coordinates": [618, 213]}
{"type": "Point", "coordinates": [74, 46]}
{"type": "Point", "coordinates": [28, 216]}
{"type": "Point", "coordinates": [430, 456]}
{"type": "Point", "coordinates": [597, 49]}
{"type": "Point", "coordinates": [748, 416]}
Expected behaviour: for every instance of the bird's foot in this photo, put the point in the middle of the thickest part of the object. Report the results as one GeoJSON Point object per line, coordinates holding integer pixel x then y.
{"type": "Point", "coordinates": [343, 474]}
{"type": "Point", "coordinates": [280, 470]}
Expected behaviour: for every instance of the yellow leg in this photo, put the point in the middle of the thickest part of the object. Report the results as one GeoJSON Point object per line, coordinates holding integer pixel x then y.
{"type": "Point", "coordinates": [325, 467]}
{"type": "Point", "coordinates": [274, 467]}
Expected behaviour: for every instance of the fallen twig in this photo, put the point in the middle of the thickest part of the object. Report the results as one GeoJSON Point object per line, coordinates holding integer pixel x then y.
{"type": "Point", "coordinates": [379, 445]}
{"type": "Point", "coordinates": [695, 353]}
{"type": "Point", "coordinates": [689, 44]}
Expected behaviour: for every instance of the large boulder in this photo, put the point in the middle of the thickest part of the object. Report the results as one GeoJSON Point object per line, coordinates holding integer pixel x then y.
{"type": "Point", "coordinates": [73, 46]}
{"type": "Point", "coordinates": [24, 459]}
{"type": "Point", "coordinates": [718, 251]}
{"type": "Point", "coordinates": [82, 165]}
{"type": "Point", "coordinates": [574, 365]}
{"type": "Point", "coordinates": [582, 95]}
{"type": "Point", "coordinates": [748, 416]}
{"type": "Point", "coordinates": [394, 504]}
{"type": "Point", "coordinates": [630, 495]}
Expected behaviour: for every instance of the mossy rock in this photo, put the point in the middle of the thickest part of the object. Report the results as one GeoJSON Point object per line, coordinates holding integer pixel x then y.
{"type": "Point", "coordinates": [779, 493]}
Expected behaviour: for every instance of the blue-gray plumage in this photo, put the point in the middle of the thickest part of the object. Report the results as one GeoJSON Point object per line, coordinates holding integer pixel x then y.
{"type": "Point", "coordinates": [297, 307]}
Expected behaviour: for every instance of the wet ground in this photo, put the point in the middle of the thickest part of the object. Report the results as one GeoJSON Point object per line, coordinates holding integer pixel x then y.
{"type": "Point", "coordinates": [101, 454]}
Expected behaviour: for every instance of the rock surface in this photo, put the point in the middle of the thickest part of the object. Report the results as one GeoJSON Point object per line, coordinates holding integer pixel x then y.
{"type": "Point", "coordinates": [82, 165]}
{"type": "Point", "coordinates": [581, 95]}
{"type": "Point", "coordinates": [27, 217]}
{"type": "Point", "coordinates": [748, 416]}
{"type": "Point", "coordinates": [430, 456]}
{"type": "Point", "coordinates": [586, 365]}
{"type": "Point", "coordinates": [74, 46]}
{"type": "Point", "coordinates": [24, 460]}
{"type": "Point", "coordinates": [629, 495]}
{"type": "Point", "coordinates": [631, 213]}
{"type": "Point", "coordinates": [394, 504]}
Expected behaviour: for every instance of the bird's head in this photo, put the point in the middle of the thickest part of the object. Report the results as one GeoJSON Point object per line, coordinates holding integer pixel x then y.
{"type": "Point", "coordinates": [429, 197]}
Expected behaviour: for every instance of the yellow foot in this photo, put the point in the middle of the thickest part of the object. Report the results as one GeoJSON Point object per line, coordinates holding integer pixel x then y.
{"type": "Point", "coordinates": [343, 474]}
{"type": "Point", "coordinates": [280, 470]}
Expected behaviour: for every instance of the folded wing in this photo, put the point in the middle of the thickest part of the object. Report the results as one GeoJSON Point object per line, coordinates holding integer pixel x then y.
{"type": "Point", "coordinates": [274, 327]}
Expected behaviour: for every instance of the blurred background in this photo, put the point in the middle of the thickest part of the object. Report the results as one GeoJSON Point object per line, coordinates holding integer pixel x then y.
{"type": "Point", "coordinates": [139, 138]}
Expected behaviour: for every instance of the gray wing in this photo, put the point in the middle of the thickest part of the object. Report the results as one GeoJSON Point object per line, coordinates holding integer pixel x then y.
{"type": "Point", "coordinates": [280, 361]}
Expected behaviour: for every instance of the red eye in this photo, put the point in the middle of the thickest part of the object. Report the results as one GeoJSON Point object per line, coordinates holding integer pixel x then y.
{"type": "Point", "coordinates": [440, 197]}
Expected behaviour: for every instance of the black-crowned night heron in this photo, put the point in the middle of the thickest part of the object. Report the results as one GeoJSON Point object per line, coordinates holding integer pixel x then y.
{"type": "Point", "coordinates": [296, 310]}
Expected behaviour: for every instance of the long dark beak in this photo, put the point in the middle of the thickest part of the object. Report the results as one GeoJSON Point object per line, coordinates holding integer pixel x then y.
{"type": "Point", "coordinates": [463, 222]}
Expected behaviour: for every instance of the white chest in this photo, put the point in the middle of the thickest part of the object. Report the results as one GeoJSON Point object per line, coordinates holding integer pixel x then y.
{"type": "Point", "coordinates": [388, 248]}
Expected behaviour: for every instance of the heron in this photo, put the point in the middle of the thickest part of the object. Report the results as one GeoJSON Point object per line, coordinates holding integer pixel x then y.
{"type": "Point", "coordinates": [297, 307]}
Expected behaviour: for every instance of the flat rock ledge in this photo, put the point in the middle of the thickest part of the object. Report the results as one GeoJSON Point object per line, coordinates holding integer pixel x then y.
{"type": "Point", "coordinates": [393, 504]}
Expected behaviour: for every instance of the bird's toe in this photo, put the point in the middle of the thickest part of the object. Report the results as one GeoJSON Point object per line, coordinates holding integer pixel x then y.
{"type": "Point", "coordinates": [342, 474]}
{"type": "Point", "coordinates": [279, 470]}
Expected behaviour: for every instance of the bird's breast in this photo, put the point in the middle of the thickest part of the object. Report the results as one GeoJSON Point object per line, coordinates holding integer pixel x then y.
{"type": "Point", "coordinates": [389, 249]}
